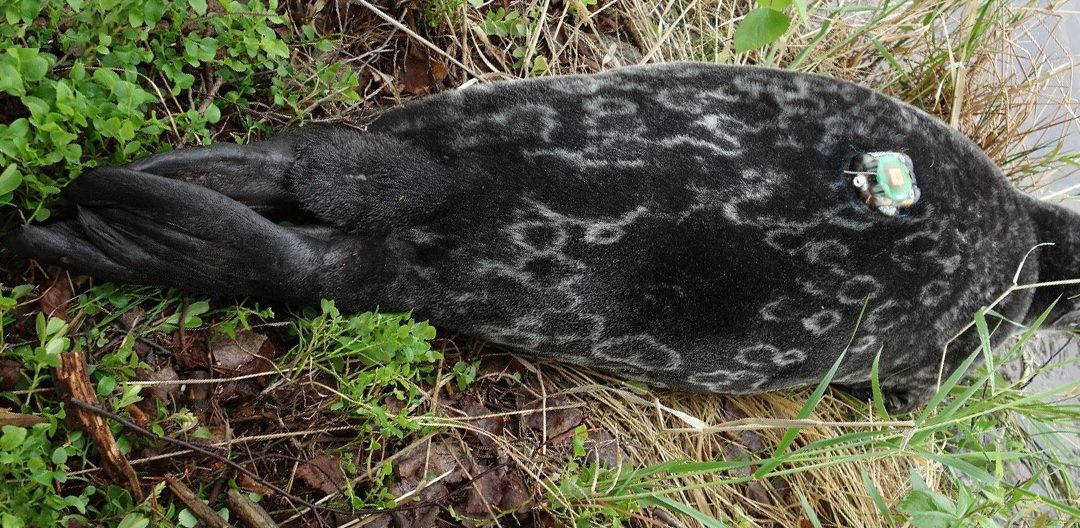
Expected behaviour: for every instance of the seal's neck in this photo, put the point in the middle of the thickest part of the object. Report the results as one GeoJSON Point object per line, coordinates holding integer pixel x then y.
{"type": "Point", "coordinates": [1060, 262]}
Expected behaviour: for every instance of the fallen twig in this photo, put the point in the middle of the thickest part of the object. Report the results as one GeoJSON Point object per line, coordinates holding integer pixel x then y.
{"type": "Point", "coordinates": [197, 507]}
{"type": "Point", "coordinates": [211, 94]}
{"type": "Point", "coordinates": [73, 384]}
{"type": "Point", "coordinates": [252, 514]}
{"type": "Point", "coordinates": [19, 419]}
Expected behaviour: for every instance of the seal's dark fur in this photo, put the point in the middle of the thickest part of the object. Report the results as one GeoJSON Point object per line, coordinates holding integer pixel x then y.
{"type": "Point", "coordinates": [684, 224]}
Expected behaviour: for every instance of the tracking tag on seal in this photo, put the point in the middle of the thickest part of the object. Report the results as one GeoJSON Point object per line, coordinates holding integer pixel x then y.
{"type": "Point", "coordinates": [885, 180]}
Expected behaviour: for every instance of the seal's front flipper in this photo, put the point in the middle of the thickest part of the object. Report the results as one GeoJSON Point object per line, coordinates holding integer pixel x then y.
{"type": "Point", "coordinates": [897, 400]}
{"type": "Point", "coordinates": [140, 228]}
{"type": "Point", "coordinates": [253, 175]}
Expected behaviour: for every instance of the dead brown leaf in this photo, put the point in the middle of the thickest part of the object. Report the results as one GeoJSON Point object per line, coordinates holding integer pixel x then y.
{"type": "Point", "coordinates": [163, 392]}
{"type": "Point", "coordinates": [423, 516]}
{"type": "Point", "coordinates": [440, 458]}
{"type": "Point", "coordinates": [486, 493]}
{"type": "Point", "coordinates": [198, 392]}
{"type": "Point", "coordinates": [219, 434]}
{"type": "Point", "coordinates": [752, 440]}
{"type": "Point", "coordinates": [393, 405]}
{"type": "Point", "coordinates": [414, 75]}
{"type": "Point", "coordinates": [554, 420]}
{"type": "Point", "coordinates": [757, 492]}
{"type": "Point", "coordinates": [381, 520]}
{"type": "Point", "coordinates": [736, 452]}
{"type": "Point", "coordinates": [421, 73]}
{"type": "Point", "coordinates": [10, 371]}
{"type": "Point", "coordinates": [439, 71]}
{"type": "Point", "coordinates": [132, 317]}
{"type": "Point", "coordinates": [604, 449]}
{"type": "Point", "coordinates": [322, 473]}
{"type": "Point", "coordinates": [491, 424]}
{"type": "Point", "coordinates": [56, 298]}
{"type": "Point", "coordinates": [516, 496]}
{"type": "Point", "coordinates": [192, 357]}
{"type": "Point", "coordinates": [249, 353]}
{"type": "Point", "coordinates": [500, 367]}
{"type": "Point", "coordinates": [250, 484]}
{"type": "Point", "coordinates": [237, 390]}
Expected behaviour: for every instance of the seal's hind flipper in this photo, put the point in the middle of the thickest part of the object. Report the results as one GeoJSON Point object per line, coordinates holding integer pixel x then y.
{"type": "Point", "coordinates": [131, 226]}
{"type": "Point", "coordinates": [65, 243]}
{"type": "Point", "coordinates": [253, 175]}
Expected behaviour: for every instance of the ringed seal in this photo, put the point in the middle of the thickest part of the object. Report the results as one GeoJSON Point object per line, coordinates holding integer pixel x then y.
{"type": "Point", "coordinates": [699, 227]}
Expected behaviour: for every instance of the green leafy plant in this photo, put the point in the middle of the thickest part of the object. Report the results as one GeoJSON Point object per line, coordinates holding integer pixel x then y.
{"type": "Point", "coordinates": [104, 82]}
{"type": "Point", "coordinates": [371, 356]}
{"type": "Point", "coordinates": [517, 28]}
{"type": "Point", "coordinates": [33, 469]}
{"type": "Point", "coordinates": [765, 24]}
{"type": "Point", "coordinates": [87, 84]}
{"type": "Point", "coordinates": [90, 83]}
{"type": "Point", "coordinates": [931, 509]}
{"type": "Point", "coordinates": [437, 11]}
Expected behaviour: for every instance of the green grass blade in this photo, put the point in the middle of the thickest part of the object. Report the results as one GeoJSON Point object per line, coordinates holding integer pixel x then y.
{"type": "Point", "coordinates": [875, 387]}
{"type": "Point", "coordinates": [984, 343]}
{"type": "Point", "coordinates": [789, 435]}
{"type": "Point", "coordinates": [675, 506]}
{"type": "Point", "coordinates": [875, 495]}
{"type": "Point", "coordinates": [961, 465]}
{"type": "Point", "coordinates": [810, 513]}
{"type": "Point", "coordinates": [947, 386]}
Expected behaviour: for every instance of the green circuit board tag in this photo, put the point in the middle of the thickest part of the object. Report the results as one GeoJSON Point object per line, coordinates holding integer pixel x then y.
{"type": "Point", "coordinates": [894, 178]}
{"type": "Point", "coordinates": [885, 180]}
